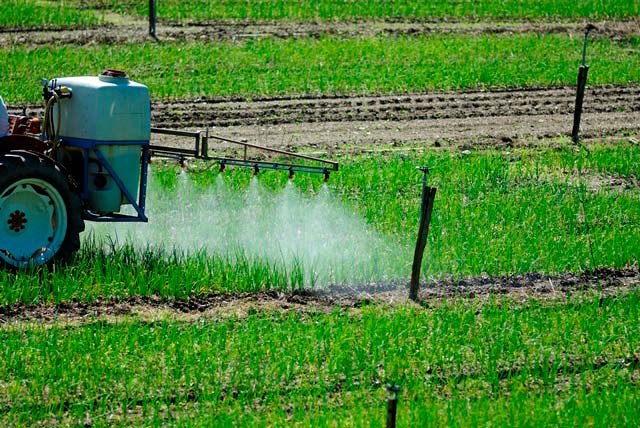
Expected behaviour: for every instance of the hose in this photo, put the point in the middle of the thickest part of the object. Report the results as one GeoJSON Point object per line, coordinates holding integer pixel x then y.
{"type": "Point", "coordinates": [49, 129]}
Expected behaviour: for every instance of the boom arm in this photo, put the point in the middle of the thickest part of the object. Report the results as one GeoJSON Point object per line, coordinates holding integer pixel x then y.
{"type": "Point", "coordinates": [200, 150]}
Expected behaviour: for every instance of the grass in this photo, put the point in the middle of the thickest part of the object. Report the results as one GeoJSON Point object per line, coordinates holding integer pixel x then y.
{"type": "Point", "coordinates": [473, 362]}
{"type": "Point", "coordinates": [511, 212]}
{"type": "Point", "coordinates": [496, 213]}
{"type": "Point", "coordinates": [462, 363]}
{"type": "Point", "coordinates": [31, 14]}
{"type": "Point", "coordinates": [330, 65]}
{"type": "Point", "coordinates": [38, 14]}
{"type": "Point", "coordinates": [82, 13]}
{"type": "Point", "coordinates": [201, 10]}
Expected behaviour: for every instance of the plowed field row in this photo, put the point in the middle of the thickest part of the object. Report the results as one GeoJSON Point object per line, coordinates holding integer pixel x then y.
{"type": "Point", "coordinates": [442, 105]}
{"type": "Point", "coordinates": [202, 113]}
{"type": "Point", "coordinates": [137, 31]}
{"type": "Point", "coordinates": [364, 120]}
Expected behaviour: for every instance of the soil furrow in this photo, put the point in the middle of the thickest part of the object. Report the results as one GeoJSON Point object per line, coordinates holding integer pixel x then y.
{"type": "Point", "coordinates": [394, 108]}
{"type": "Point", "coordinates": [137, 31]}
{"type": "Point", "coordinates": [472, 116]}
{"type": "Point", "coordinates": [603, 282]}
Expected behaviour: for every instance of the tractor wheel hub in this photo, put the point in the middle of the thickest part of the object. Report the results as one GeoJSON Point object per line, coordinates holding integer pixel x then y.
{"type": "Point", "coordinates": [17, 220]}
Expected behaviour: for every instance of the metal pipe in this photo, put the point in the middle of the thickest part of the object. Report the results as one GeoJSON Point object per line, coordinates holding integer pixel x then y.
{"type": "Point", "coordinates": [201, 147]}
{"type": "Point", "coordinates": [281, 152]}
{"type": "Point", "coordinates": [144, 173]}
{"type": "Point", "coordinates": [205, 145]}
{"type": "Point", "coordinates": [581, 85]}
{"type": "Point", "coordinates": [392, 405]}
{"type": "Point", "coordinates": [152, 18]}
{"type": "Point", "coordinates": [272, 165]}
{"type": "Point", "coordinates": [587, 30]}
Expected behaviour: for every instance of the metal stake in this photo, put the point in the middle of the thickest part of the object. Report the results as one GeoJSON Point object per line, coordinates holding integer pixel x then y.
{"type": "Point", "coordinates": [152, 18]}
{"type": "Point", "coordinates": [392, 405]}
{"type": "Point", "coordinates": [582, 83]}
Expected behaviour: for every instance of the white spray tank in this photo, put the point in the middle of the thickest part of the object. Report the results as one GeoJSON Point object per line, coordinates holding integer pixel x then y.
{"type": "Point", "coordinates": [110, 114]}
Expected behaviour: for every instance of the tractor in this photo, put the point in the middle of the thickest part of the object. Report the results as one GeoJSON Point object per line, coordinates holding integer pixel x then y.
{"type": "Point", "coordinates": [88, 159]}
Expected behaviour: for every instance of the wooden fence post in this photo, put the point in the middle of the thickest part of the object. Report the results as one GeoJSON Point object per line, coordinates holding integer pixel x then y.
{"type": "Point", "coordinates": [428, 197]}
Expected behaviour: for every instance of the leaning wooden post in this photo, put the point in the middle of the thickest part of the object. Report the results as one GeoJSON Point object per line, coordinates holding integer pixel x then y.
{"type": "Point", "coordinates": [428, 197]}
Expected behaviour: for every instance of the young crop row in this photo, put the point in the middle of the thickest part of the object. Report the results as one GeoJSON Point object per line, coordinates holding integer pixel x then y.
{"type": "Point", "coordinates": [329, 65]}
{"type": "Point", "coordinates": [78, 13]}
{"type": "Point", "coordinates": [204, 10]}
{"type": "Point", "coordinates": [38, 14]}
{"type": "Point", "coordinates": [496, 213]}
{"type": "Point", "coordinates": [462, 363]}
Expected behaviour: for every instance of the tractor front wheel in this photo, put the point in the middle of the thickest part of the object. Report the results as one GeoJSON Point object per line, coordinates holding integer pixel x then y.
{"type": "Point", "coordinates": [40, 212]}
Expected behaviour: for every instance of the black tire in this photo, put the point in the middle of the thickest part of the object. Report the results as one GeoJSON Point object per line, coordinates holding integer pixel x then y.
{"type": "Point", "coordinates": [34, 186]}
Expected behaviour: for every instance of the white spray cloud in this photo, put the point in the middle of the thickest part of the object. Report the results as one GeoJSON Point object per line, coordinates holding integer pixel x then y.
{"type": "Point", "coordinates": [316, 232]}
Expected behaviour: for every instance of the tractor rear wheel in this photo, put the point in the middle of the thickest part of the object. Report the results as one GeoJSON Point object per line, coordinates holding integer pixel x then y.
{"type": "Point", "coordinates": [40, 211]}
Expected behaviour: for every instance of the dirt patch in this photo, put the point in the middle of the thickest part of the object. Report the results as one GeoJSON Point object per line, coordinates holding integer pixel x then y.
{"type": "Point", "coordinates": [601, 282]}
{"type": "Point", "coordinates": [120, 30]}
{"type": "Point", "coordinates": [335, 122]}
{"type": "Point", "coordinates": [597, 182]}
{"type": "Point", "coordinates": [394, 108]}
{"type": "Point", "coordinates": [438, 117]}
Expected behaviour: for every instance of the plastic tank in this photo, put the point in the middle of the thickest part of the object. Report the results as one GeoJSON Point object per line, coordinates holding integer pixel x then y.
{"type": "Point", "coordinates": [112, 114]}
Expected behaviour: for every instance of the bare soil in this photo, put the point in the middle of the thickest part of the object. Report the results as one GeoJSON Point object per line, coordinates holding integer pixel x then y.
{"type": "Point", "coordinates": [437, 118]}
{"type": "Point", "coordinates": [600, 283]}
{"type": "Point", "coordinates": [121, 30]}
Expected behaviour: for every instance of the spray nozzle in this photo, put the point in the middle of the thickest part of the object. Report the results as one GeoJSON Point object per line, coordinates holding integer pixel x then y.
{"type": "Point", "coordinates": [291, 174]}
{"type": "Point", "coordinates": [256, 170]}
{"type": "Point", "coordinates": [223, 166]}
{"type": "Point", "coordinates": [183, 163]}
{"type": "Point", "coordinates": [326, 175]}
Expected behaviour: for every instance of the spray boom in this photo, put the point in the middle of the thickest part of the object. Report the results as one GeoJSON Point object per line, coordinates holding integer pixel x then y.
{"type": "Point", "coordinates": [292, 163]}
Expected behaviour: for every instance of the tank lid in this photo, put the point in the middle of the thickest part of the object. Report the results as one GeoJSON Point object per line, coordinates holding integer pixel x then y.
{"type": "Point", "coordinates": [113, 76]}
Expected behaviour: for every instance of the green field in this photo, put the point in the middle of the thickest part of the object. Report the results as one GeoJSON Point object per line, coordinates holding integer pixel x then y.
{"type": "Point", "coordinates": [76, 13]}
{"type": "Point", "coordinates": [498, 213]}
{"type": "Point", "coordinates": [201, 10]}
{"type": "Point", "coordinates": [229, 308]}
{"type": "Point", "coordinates": [329, 65]}
{"type": "Point", "coordinates": [460, 364]}
{"type": "Point", "coordinates": [40, 14]}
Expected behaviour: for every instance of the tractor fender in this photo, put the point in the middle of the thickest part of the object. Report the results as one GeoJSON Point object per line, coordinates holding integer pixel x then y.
{"type": "Point", "coordinates": [22, 142]}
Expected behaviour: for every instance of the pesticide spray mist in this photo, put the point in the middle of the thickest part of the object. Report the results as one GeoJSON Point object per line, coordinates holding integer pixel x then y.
{"type": "Point", "coordinates": [313, 232]}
